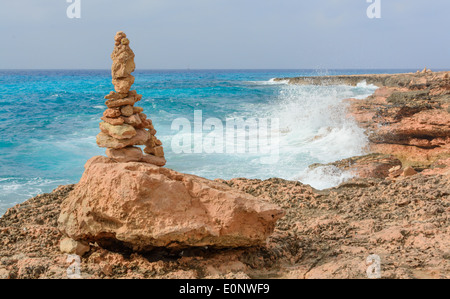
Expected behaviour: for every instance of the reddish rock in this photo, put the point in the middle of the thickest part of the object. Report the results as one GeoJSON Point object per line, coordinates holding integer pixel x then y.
{"type": "Point", "coordinates": [441, 166]}
{"type": "Point", "coordinates": [143, 116]}
{"type": "Point", "coordinates": [122, 57]}
{"type": "Point", "coordinates": [67, 245]}
{"type": "Point", "coordinates": [407, 117]}
{"type": "Point", "coordinates": [119, 131]}
{"type": "Point", "coordinates": [367, 166]}
{"type": "Point", "coordinates": [116, 96]}
{"type": "Point", "coordinates": [157, 151]}
{"type": "Point", "coordinates": [395, 171]}
{"type": "Point", "coordinates": [158, 161]}
{"type": "Point", "coordinates": [127, 110]}
{"type": "Point", "coordinates": [114, 103]}
{"type": "Point", "coordinates": [419, 158]}
{"type": "Point", "coordinates": [409, 171]}
{"type": "Point", "coordinates": [346, 220]}
{"type": "Point", "coordinates": [127, 154]}
{"type": "Point", "coordinates": [137, 110]}
{"type": "Point", "coordinates": [113, 121]}
{"type": "Point", "coordinates": [111, 113]}
{"type": "Point", "coordinates": [104, 140]}
{"type": "Point", "coordinates": [142, 206]}
{"type": "Point", "coordinates": [133, 120]}
{"type": "Point", "coordinates": [123, 85]}
{"type": "Point", "coordinates": [419, 130]}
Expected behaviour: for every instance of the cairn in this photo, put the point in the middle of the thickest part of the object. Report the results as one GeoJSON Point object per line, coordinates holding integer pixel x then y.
{"type": "Point", "coordinates": [125, 126]}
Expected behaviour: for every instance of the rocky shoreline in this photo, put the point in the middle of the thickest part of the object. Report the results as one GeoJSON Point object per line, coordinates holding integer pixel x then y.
{"type": "Point", "coordinates": [398, 208]}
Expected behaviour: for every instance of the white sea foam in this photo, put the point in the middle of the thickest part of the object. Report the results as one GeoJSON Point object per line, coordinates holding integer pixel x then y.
{"type": "Point", "coordinates": [314, 127]}
{"type": "Point", "coordinates": [324, 177]}
{"type": "Point", "coordinates": [28, 187]}
{"type": "Point", "coordinates": [271, 82]}
{"type": "Point", "coordinates": [274, 81]}
{"type": "Point", "coordinates": [364, 90]}
{"type": "Point", "coordinates": [14, 190]}
{"type": "Point", "coordinates": [363, 84]}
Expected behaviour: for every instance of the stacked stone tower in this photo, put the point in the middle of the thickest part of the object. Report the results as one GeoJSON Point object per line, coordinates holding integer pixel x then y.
{"type": "Point", "coordinates": [124, 126]}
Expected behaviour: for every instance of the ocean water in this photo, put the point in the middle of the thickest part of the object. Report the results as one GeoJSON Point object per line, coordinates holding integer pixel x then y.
{"type": "Point", "coordinates": [49, 121]}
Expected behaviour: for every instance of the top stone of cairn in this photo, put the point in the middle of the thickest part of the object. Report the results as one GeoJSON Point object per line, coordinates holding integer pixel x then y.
{"type": "Point", "coordinates": [123, 64]}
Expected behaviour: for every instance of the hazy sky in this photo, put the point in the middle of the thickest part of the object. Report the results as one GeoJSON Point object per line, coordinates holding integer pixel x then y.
{"type": "Point", "coordinates": [245, 34]}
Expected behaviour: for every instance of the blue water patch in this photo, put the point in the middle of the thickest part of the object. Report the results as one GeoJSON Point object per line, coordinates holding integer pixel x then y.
{"type": "Point", "coordinates": [49, 120]}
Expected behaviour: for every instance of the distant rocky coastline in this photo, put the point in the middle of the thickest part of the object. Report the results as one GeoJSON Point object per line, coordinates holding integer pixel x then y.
{"type": "Point", "coordinates": [407, 119]}
{"type": "Point", "coordinates": [397, 207]}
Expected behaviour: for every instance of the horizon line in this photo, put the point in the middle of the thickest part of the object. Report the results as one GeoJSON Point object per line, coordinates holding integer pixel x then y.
{"type": "Point", "coordinates": [213, 69]}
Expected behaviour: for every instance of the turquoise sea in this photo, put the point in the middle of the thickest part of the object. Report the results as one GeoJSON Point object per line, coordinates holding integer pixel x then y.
{"type": "Point", "coordinates": [49, 120]}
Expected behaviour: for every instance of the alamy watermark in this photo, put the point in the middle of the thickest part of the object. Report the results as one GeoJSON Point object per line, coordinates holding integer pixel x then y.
{"type": "Point", "coordinates": [374, 266]}
{"type": "Point", "coordinates": [374, 9]}
{"type": "Point", "coordinates": [74, 10]}
{"type": "Point", "coordinates": [234, 136]}
{"type": "Point", "coordinates": [74, 269]}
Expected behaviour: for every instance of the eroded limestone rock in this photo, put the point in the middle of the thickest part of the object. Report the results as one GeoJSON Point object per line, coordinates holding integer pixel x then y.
{"type": "Point", "coordinates": [142, 206]}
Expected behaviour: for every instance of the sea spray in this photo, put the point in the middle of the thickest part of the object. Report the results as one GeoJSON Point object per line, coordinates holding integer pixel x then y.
{"type": "Point", "coordinates": [315, 127]}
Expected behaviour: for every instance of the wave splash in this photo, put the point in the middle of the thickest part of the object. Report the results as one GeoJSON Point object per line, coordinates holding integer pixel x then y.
{"type": "Point", "coordinates": [315, 128]}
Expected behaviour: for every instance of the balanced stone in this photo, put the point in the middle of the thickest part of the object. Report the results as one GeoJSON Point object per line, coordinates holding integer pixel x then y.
{"type": "Point", "coordinates": [137, 110]}
{"type": "Point", "coordinates": [133, 120]}
{"type": "Point", "coordinates": [157, 151]}
{"type": "Point", "coordinates": [105, 140]}
{"type": "Point", "coordinates": [113, 103]}
{"type": "Point", "coordinates": [148, 124]}
{"type": "Point", "coordinates": [127, 154]}
{"type": "Point", "coordinates": [158, 161]}
{"type": "Point", "coordinates": [122, 57]}
{"type": "Point", "coordinates": [143, 206]}
{"type": "Point", "coordinates": [119, 36]}
{"type": "Point", "coordinates": [113, 121]}
{"type": "Point", "coordinates": [120, 132]}
{"type": "Point", "coordinates": [126, 110]}
{"type": "Point", "coordinates": [115, 95]}
{"type": "Point", "coordinates": [123, 84]}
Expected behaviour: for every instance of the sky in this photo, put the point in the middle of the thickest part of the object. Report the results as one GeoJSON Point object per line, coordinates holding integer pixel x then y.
{"type": "Point", "coordinates": [227, 34]}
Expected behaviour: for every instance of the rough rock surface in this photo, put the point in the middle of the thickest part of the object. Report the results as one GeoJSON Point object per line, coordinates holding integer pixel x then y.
{"type": "Point", "coordinates": [381, 80]}
{"type": "Point", "coordinates": [125, 126]}
{"type": "Point", "coordinates": [326, 234]}
{"type": "Point", "coordinates": [105, 140]}
{"type": "Point", "coordinates": [410, 120]}
{"type": "Point", "coordinates": [143, 206]}
{"type": "Point", "coordinates": [70, 246]}
{"type": "Point", "coordinates": [367, 166]}
{"type": "Point", "coordinates": [118, 131]}
{"type": "Point", "coordinates": [407, 117]}
{"type": "Point", "coordinates": [128, 154]}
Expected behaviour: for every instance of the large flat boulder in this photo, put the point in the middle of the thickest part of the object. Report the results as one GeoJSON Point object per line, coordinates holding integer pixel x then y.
{"type": "Point", "coordinates": [141, 206]}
